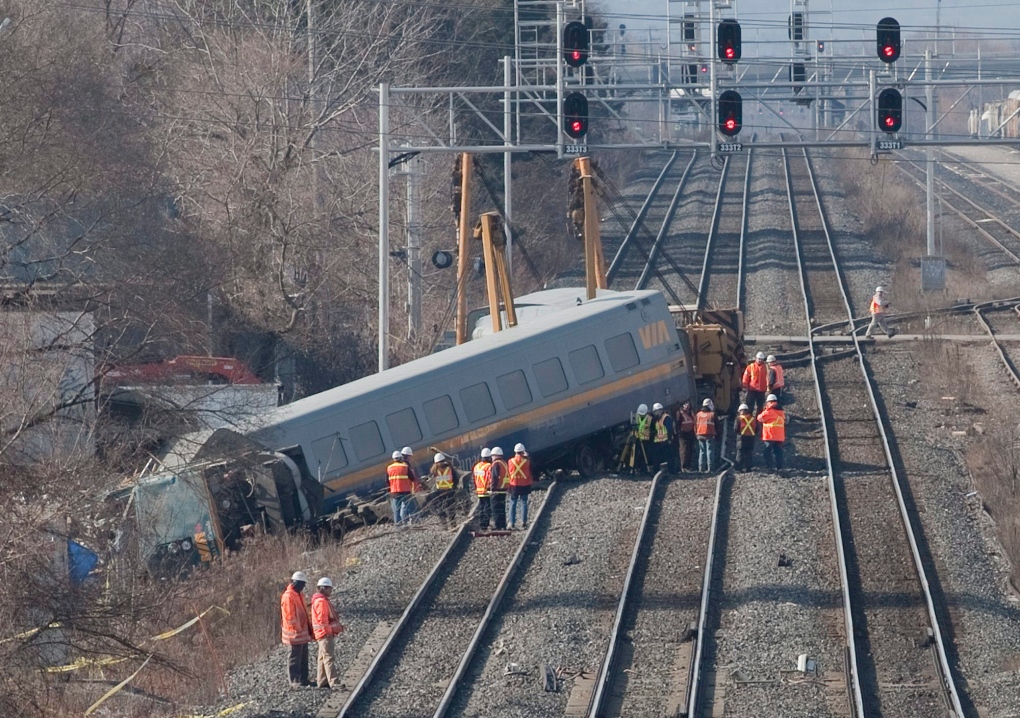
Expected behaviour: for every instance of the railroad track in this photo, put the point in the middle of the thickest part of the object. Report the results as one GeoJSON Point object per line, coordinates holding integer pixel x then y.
{"type": "Point", "coordinates": [898, 663]}
{"type": "Point", "coordinates": [997, 315]}
{"type": "Point", "coordinates": [723, 268]}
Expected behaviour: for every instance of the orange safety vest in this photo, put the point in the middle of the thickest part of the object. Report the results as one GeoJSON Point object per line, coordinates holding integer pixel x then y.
{"type": "Point", "coordinates": [643, 431]}
{"type": "Point", "coordinates": [780, 381]}
{"type": "Point", "coordinates": [686, 422]}
{"type": "Point", "coordinates": [520, 471]}
{"type": "Point", "coordinates": [325, 622]}
{"type": "Point", "coordinates": [483, 478]}
{"type": "Point", "coordinates": [877, 307]}
{"type": "Point", "coordinates": [294, 618]}
{"type": "Point", "coordinates": [756, 376]}
{"type": "Point", "coordinates": [773, 424]}
{"type": "Point", "coordinates": [661, 434]}
{"type": "Point", "coordinates": [399, 475]}
{"type": "Point", "coordinates": [502, 475]}
{"type": "Point", "coordinates": [444, 476]}
{"type": "Point", "coordinates": [705, 425]}
{"type": "Point", "coordinates": [745, 425]}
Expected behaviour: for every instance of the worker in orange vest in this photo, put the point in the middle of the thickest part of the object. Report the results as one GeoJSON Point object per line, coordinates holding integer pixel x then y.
{"type": "Point", "coordinates": [499, 480]}
{"type": "Point", "coordinates": [756, 382]}
{"type": "Point", "coordinates": [521, 480]}
{"type": "Point", "coordinates": [482, 474]}
{"type": "Point", "coordinates": [704, 427]}
{"type": "Point", "coordinates": [296, 630]}
{"type": "Point", "coordinates": [777, 377]}
{"type": "Point", "coordinates": [746, 428]}
{"type": "Point", "coordinates": [773, 433]}
{"type": "Point", "coordinates": [325, 628]}
{"type": "Point", "coordinates": [444, 479]}
{"type": "Point", "coordinates": [685, 422]}
{"type": "Point", "coordinates": [398, 473]}
{"type": "Point", "coordinates": [879, 306]}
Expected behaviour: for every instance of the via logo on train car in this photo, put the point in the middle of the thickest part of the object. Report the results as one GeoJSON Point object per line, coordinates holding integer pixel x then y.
{"type": "Point", "coordinates": [652, 335]}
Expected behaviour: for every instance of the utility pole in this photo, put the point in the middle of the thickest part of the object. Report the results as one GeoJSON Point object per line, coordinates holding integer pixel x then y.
{"type": "Point", "coordinates": [929, 92]}
{"type": "Point", "coordinates": [414, 236]}
{"type": "Point", "coordinates": [508, 185]}
{"type": "Point", "coordinates": [384, 226]}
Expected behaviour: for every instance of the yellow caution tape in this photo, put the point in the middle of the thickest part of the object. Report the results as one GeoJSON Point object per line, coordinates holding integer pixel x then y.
{"type": "Point", "coordinates": [225, 712]}
{"type": "Point", "coordinates": [187, 624]}
{"type": "Point", "coordinates": [31, 632]}
{"type": "Point", "coordinates": [117, 687]}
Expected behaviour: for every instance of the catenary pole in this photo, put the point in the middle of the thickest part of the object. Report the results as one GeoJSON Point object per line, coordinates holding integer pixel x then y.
{"type": "Point", "coordinates": [384, 225]}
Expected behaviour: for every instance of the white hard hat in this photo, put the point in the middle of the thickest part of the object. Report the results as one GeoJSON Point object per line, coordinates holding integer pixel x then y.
{"type": "Point", "coordinates": [299, 576]}
{"type": "Point", "coordinates": [879, 290]}
{"type": "Point", "coordinates": [771, 397]}
{"type": "Point", "coordinates": [642, 409]}
{"type": "Point", "coordinates": [496, 451]}
{"type": "Point", "coordinates": [707, 402]}
{"type": "Point", "coordinates": [759, 355]}
{"type": "Point", "coordinates": [486, 453]}
{"type": "Point", "coordinates": [743, 407]}
{"type": "Point", "coordinates": [406, 451]}
{"type": "Point", "coordinates": [656, 406]}
{"type": "Point", "coordinates": [396, 456]}
{"type": "Point", "coordinates": [324, 582]}
{"type": "Point", "coordinates": [439, 457]}
{"type": "Point", "coordinates": [519, 449]}
{"type": "Point", "coordinates": [771, 358]}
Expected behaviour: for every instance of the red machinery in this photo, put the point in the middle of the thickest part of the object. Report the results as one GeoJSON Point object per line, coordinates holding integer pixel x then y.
{"type": "Point", "coordinates": [232, 370]}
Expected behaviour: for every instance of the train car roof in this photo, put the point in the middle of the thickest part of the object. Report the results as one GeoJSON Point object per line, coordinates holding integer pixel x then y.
{"type": "Point", "coordinates": [310, 406]}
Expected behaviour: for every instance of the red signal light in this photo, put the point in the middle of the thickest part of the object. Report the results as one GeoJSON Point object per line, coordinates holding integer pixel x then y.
{"type": "Point", "coordinates": [890, 121]}
{"type": "Point", "coordinates": [576, 55]}
{"type": "Point", "coordinates": [577, 126]}
{"type": "Point", "coordinates": [731, 124]}
{"type": "Point", "coordinates": [729, 53]}
{"type": "Point", "coordinates": [888, 50]}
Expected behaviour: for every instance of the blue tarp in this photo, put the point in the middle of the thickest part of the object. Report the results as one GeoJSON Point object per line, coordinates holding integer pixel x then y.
{"type": "Point", "coordinates": [80, 561]}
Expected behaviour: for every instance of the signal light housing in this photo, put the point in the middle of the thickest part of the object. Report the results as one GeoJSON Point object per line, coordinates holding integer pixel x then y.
{"type": "Point", "coordinates": [575, 43]}
{"type": "Point", "coordinates": [575, 115]}
{"type": "Point", "coordinates": [888, 36]}
{"type": "Point", "coordinates": [731, 113]}
{"type": "Point", "coordinates": [890, 110]}
{"type": "Point", "coordinates": [728, 41]}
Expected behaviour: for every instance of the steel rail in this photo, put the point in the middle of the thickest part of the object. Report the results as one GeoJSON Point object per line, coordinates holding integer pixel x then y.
{"type": "Point", "coordinates": [366, 678]}
{"type": "Point", "coordinates": [854, 681]}
{"type": "Point", "coordinates": [743, 233]}
{"type": "Point", "coordinates": [493, 607]}
{"type": "Point", "coordinates": [664, 229]}
{"type": "Point", "coordinates": [948, 681]}
{"type": "Point", "coordinates": [604, 681]}
{"type": "Point", "coordinates": [988, 181]}
{"type": "Point", "coordinates": [1011, 368]}
{"type": "Point", "coordinates": [639, 219]}
{"type": "Point", "coordinates": [713, 230]}
{"type": "Point", "coordinates": [861, 322]}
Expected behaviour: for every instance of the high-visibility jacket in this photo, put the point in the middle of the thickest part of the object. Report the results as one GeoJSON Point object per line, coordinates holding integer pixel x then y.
{"type": "Point", "coordinates": [773, 424]}
{"type": "Point", "coordinates": [756, 377]}
{"type": "Point", "coordinates": [399, 475]}
{"type": "Point", "coordinates": [686, 419]}
{"type": "Point", "coordinates": [499, 476]}
{"type": "Point", "coordinates": [294, 618]}
{"type": "Point", "coordinates": [705, 423]}
{"type": "Point", "coordinates": [662, 428]}
{"type": "Point", "coordinates": [643, 430]}
{"type": "Point", "coordinates": [777, 380]}
{"type": "Point", "coordinates": [443, 474]}
{"type": "Point", "coordinates": [746, 425]}
{"type": "Point", "coordinates": [483, 478]}
{"type": "Point", "coordinates": [325, 621]}
{"type": "Point", "coordinates": [520, 470]}
{"type": "Point", "coordinates": [878, 305]}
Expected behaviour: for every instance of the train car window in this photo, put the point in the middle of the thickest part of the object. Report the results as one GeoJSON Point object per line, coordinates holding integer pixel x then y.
{"type": "Point", "coordinates": [367, 440]}
{"type": "Point", "coordinates": [404, 427]}
{"type": "Point", "coordinates": [622, 352]}
{"type": "Point", "coordinates": [477, 402]}
{"type": "Point", "coordinates": [550, 376]}
{"type": "Point", "coordinates": [330, 454]}
{"type": "Point", "coordinates": [586, 364]}
{"type": "Point", "coordinates": [440, 414]}
{"type": "Point", "coordinates": [513, 389]}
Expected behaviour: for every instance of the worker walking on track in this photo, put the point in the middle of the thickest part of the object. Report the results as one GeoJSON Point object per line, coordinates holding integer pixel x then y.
{"type": "Point", "coordinates": [688, 439]}
{"type": "Point", "coordinates": [777, 377]}
{"type": "Point", "coordinates": [398, 473]}
{"type": "Point", "coordinates": [756, 382]}
{"type": "Point", "coordinates": [521, 480]}
{"type": "Point", "coordinates": [773, 433]}
{"type": "Point", "coordinates": [665, 437]}
{"type": "Point", "coordinates": [325, 628]}
{"type": "Point", "coordinates": [704, 427]}
{"type": "Point", "coordinates": [444, 480]}
{"type": "Point", "coordinates": [296, 629]}
{"type": "Point", "coordinates": [499, 480]}
{"type": "Point", "coordinates": [879, 306]}
{"type": "Point", "coordinates": [746, 428]}
{"type": "Point", "coordinates": [482, 474]}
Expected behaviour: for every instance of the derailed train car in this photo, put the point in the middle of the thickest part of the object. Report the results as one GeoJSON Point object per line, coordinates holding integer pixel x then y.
{"type": "Point", "coordinates": [564, 384]}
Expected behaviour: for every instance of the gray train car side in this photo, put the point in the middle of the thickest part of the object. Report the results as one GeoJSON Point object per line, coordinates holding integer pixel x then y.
{"type": "Point", "coordinates": [559, 385]}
